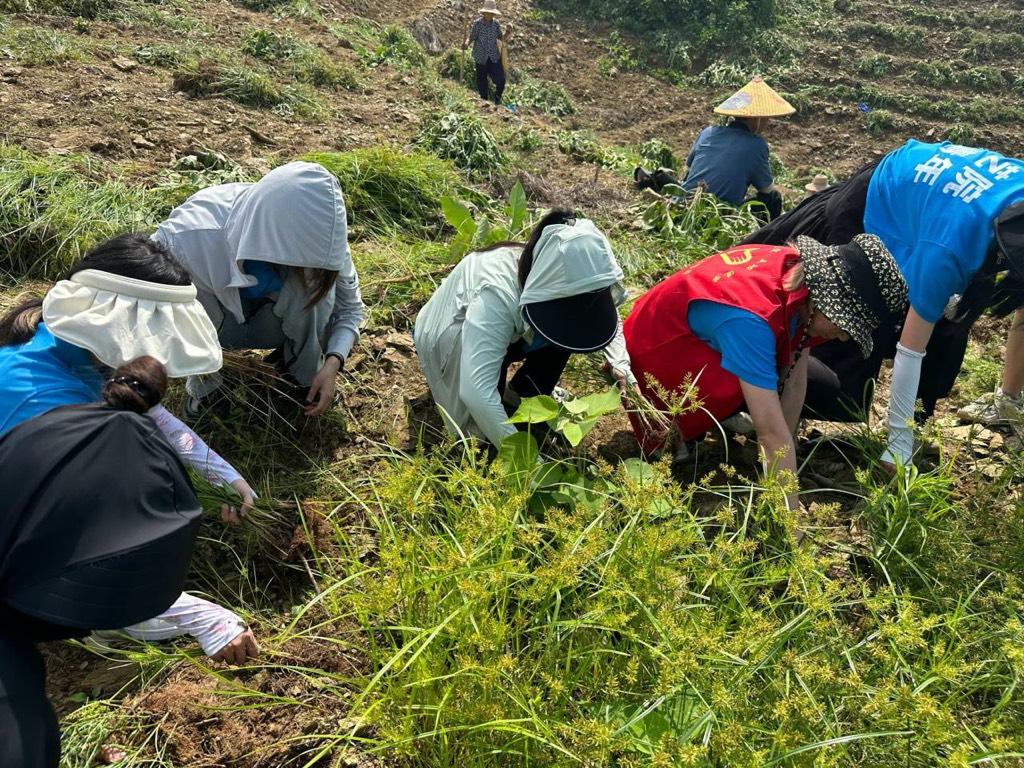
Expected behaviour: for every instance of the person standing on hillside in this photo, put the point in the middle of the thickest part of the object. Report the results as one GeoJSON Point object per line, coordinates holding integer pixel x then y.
{"type": "Point", "coordinates": [953, 218]}
{"type": "Point", "coordinates": [728, 159]}
{"type": "Point", "coordinates": [487, 38]}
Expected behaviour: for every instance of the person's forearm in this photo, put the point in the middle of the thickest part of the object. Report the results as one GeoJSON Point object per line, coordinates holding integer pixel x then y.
{"type": "Point", "coordinates": [192, 449]}
{"type": "Point", "coordinates": [212, 626]}
{"type": "Point", "coordinates": [794, 392]}
{"type": "Point", "coordinates": [906, 377]}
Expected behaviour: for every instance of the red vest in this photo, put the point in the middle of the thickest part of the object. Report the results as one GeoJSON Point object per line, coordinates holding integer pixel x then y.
{"type": "Point", "coordinates": [661, 345]}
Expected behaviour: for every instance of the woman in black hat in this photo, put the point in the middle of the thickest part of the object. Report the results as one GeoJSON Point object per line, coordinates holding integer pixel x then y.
{"type": "Point", "coordinates": [98, 526]}
{"type": "Point", "coordinates": [953, 217]}
{"type": "Point", "coordinates": [736, 327]}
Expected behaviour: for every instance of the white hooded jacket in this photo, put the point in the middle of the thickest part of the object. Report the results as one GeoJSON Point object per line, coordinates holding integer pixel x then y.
{"type": "Point", "coordinates": [464, 331]}
{"type": "Point", "coordinates": [295, 217]}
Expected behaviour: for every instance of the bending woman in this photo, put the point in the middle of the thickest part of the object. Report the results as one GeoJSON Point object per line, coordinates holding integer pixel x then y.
{"type": "Point", "coordinates": [273, 269]}
{"type": "Point", "coordinates": [953, 217]}
{"type": "Point", "coordinates": [98, 526]}
{"type": "Point", "coordinates": [537, 303]}
{"type": "Point", "coordinates": [737, 327]}
{"type": "Point", "coordinates": [124, 299]}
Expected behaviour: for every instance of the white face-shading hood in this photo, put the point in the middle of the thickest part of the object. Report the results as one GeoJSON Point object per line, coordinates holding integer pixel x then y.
{"type": "Point", "coordinates": [570, 260]}
{"type": "Point", "coordinates": [294, 216]}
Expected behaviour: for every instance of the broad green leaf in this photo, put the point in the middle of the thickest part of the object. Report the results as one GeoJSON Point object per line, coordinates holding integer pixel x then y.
{"type": "Point", "coordinates": [548, 476]}
{"type": "Point", "coordinates": [588, 424]}
{"type": "Point", "coordinates": [638, 470]}
{"type": "Point", "coordinates": [573, 433]}
{"type": "Point", "coordinates": [518, 453]}
{"type": "Point", "coordinates": [535, 410]}
{"type": "Point", "coordinates": [458, 216]}
{"type": "Point", "coordinates": [601, 403]}
{"type": "Point", "coordinates": [516, 208]}
{"type": "Point", "coordinates": [575, 405]}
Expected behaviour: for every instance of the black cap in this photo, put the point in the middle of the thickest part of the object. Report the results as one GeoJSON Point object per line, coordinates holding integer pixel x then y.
{"type": "Point", "coordinates": [586, 322]}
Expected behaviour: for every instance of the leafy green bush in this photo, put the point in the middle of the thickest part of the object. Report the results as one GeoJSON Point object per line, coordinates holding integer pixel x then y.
{"type": "Point", "coordinates": [388, 190]}
{"type": "Point", "coordinates": [961, 133]}
{"type": "Point", "coordinates": [876, 65]}
{"type": "Point", "coordinates": [473, 234]}
{"type": "Point", "coordinates": [464, 140]}
{"type": "Point", "coordinates": [544, 95]}
{"type": "Point", "coordinates": [667, 26]}
{"type": "Point", "coordinates": [878, 122]}
{"type": "Point", "coordinates": [657, 153]}
{"type": "Point", "coordinates": [933, 73]}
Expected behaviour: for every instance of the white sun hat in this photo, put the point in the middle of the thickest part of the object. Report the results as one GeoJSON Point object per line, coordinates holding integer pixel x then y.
{"type": "Point", "coordinates": [490, 6]}
{"type": "Point", "coordinates": [120, 318]}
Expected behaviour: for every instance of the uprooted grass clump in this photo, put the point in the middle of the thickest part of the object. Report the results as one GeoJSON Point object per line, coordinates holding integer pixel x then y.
{"type": "Point", "coordinates": [543, 95]}
{"type": "Point", "coordinates": [208, 78]}
{"type": "Point", "coordinates": [464, 140]}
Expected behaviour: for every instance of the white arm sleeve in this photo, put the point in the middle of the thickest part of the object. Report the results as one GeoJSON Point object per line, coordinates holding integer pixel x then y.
{"type": "Point", "coordinates": [617, 356]}
{"type": "Point", "coordinates": [348, 315]}
{"type": "Point", "coordinates": [486, 335]}
{"type": "Point", "coordinates": [192, 449]}
{"type": "Point", "coordinates": [212, 626]}
{"type": "Point", "coordinates": [906, 375]}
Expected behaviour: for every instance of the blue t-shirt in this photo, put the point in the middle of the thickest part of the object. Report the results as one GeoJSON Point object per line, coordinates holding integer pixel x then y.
{"type": "Point", "coordinates": [728, 159]}
{"type": "Point", "coordinates": [42, 374]}
{"type": "Point", "coordinates": [744, 340]}
{"type": "Point", "coordinates": [934, 207]}
{"type": "Point", "coordinates": [268, 281]}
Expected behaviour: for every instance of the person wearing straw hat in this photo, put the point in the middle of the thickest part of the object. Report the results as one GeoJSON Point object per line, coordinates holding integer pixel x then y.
{"type": "Point", "coordinates": [488, 41]}
{"type": "Point", "coordinates": [535, 303]}
{"type": "Point", "coordinates": [736, 328]}
{"type": "Point", "coordinates": [953, 217]}
{"type": "Point", "coordinates": [818, 184]}
{"type": "Point", "coordinates": [125, 299]}
{"type": "Point", "coordinates": [729, 159]}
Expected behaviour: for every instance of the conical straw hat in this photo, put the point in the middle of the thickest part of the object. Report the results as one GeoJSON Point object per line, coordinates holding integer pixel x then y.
{"type": "Point", "coordinates": [755, 99]}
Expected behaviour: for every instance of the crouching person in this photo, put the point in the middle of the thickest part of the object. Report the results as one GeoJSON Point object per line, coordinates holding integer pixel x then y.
{"type": "Point", "coordinates": [736, 328]}
{"type": "Point", "coordinates": [538, 303]}
{"type": "Point", "coordinates": [274, 271]}
{"type": "Point", "coordinates": [125, 299]}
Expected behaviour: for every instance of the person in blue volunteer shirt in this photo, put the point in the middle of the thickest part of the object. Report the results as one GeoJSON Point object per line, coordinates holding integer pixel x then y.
{"type": "Point", "coordinates": [125, 299]}
{"type": "Point", "coordinates": [952, 217]}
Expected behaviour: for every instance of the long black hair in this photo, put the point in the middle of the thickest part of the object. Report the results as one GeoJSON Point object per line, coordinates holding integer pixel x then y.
{"type": "Point", "coordinates": [131, 255]}
{"type": "Point", "coordinates": [552, 217]}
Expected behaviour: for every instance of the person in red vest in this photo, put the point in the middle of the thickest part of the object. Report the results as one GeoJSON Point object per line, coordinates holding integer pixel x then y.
{"type": "Point", "coordinates": [736, 327]}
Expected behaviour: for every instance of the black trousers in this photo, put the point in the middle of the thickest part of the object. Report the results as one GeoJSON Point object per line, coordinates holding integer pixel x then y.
{"type": "Point", "coordinates": [772, 200]}
{"type": "Point", "coordinates": [494, 71]}
{"type": "Point", "coordinates": [29, 734]}
{"type": "Point", "coordinates": [539, 373]}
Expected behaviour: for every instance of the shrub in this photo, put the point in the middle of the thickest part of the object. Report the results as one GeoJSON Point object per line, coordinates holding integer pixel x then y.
{"type": "Point", "coordinates": [878, 122]}
{"type": "Point", "coordinates": [657, 153]}
{"type": "Point", "coordinates": [544, 95]}
{"type": "Point", "coordinates": [874, 66]}
{"type": "Point", "coordinates": [388, 190]}
{"type": "Point", "coordinates": [464, 140]}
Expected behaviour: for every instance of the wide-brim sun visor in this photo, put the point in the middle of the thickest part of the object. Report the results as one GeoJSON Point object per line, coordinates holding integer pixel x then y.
{"type": "Point", "coordinates": [119, 319]}
{"type": "Point", "coordinates": [586, 322]}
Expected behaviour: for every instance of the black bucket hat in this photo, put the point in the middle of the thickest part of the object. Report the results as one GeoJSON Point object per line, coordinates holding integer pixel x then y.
{"type": "Point", "coordinates": [858, 286]}
{"type": "Point", "coordinates": [99, 518]}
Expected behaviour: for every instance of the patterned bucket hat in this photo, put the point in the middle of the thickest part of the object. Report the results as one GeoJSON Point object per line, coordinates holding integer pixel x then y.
{"type": "Point", "coordinates": [858, 286]}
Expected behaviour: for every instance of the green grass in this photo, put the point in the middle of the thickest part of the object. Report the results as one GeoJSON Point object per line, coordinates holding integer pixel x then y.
{"type": "Point", "coordinates": [41, 46]}
{"type": "Point", "coordinates": [542, 95]}
{"type": "Point", "coordinates": [251, 86]}
{"type": "Point", "coordinates": [464, 140]}
{"type": "Point", "coordinates": [390, 190]}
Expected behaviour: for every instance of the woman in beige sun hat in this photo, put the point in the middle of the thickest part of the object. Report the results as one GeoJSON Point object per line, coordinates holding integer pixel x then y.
{"type": "Point", "coordinates": [489, 55]}
{"type": "Point", "coordinates": [728, 159]}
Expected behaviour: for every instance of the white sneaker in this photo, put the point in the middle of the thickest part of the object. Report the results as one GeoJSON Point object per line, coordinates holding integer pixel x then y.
{"type": "Point", "coordinates": [739, 423]}
{"type": "Point", "coordinates": [993, 409]}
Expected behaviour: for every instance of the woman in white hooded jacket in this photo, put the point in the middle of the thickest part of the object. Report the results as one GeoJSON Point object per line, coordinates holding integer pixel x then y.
{"type": "Point", "coordinates": [536, 302]}
{"type": "Point", "coordinates": [273, 269]}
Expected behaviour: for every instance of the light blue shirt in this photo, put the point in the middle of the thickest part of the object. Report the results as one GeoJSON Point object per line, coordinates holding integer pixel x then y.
{"type": "Point", "coordinates": [42, 374]}
{"type": "Point", "coordinates": [744, 340]}
{"type": "Point", "coordinates": [934, 207]}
